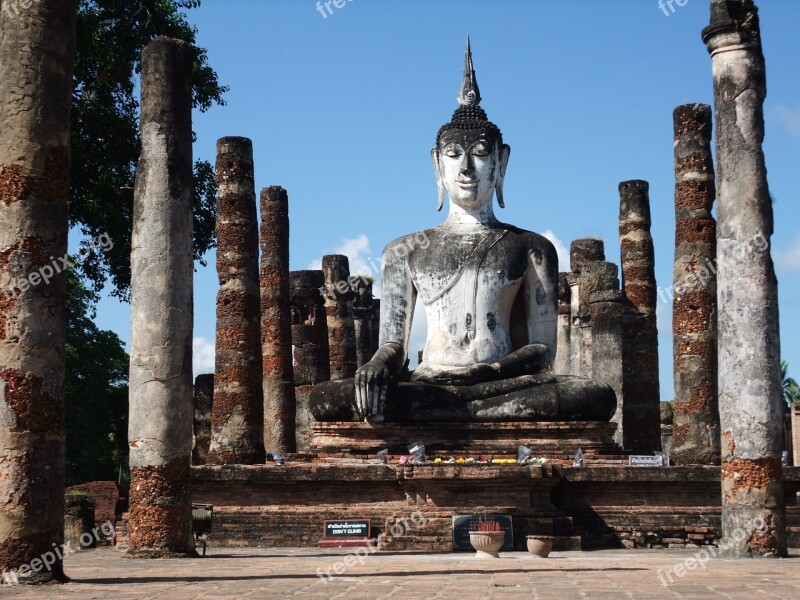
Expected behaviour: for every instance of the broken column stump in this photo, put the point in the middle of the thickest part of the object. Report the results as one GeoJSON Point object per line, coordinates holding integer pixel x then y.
{"type": "Point", "coordinates": [339, 308]}
{"type": "Point", "coordinates": [310, 339]}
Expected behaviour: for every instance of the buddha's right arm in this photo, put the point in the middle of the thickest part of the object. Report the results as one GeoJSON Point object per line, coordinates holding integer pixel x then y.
{"type": "Point", "coordinates": [397, 310]}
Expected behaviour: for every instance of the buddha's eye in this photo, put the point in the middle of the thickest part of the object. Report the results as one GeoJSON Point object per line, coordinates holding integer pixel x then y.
{"type": "Point", "coordinates": [480, 150]}
{"type": "Point", "coordinates": [452, 150]}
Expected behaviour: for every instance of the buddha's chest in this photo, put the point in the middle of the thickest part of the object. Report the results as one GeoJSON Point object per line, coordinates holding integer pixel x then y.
{"type": "Point", "coordinates": [469, 274]}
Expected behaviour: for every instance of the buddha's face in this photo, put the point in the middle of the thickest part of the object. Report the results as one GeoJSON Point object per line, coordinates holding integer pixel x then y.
{"type": "Point", "coordinates": [469, 165]}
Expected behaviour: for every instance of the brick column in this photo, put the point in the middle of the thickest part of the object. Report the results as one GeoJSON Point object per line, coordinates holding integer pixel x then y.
{"type": "Point", "coordinates": [203, 400]}
{"type": "Point", "coordinates": [642, 428]}
{"type": "Point", "coordinates": [237, 417]}
{"type": "Point", "coordinates": [310, 339]}
{"type": "Point", "coordinates": [695, 431]}
{"type": "Point", "coordinates": [363, 319]}
{"type": "Point", "coordinates": [582, 253]}
{"type": "Point", "coordinates": [339, 309]}
{"type": "Point", "coordinates": [276, 323]}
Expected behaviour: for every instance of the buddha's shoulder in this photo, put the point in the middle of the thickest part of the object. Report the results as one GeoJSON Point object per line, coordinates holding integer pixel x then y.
{"type": "Point", "coordinates": [406, 244]}
{"type": "Point", "coordinates": [536, 242]}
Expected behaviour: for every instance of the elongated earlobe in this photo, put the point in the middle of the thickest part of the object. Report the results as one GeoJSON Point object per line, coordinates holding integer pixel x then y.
{"type": "Point", "coordinates": [439, 180]}
{"type": "Point", "coordinates": [505, 152]}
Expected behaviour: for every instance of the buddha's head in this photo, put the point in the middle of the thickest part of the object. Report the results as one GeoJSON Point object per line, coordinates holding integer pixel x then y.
{"type": "Point", "coordinates": [470, 158]}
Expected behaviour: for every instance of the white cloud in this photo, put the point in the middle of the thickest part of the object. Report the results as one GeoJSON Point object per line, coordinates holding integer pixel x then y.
{"type": "Point", "coordinates": [202, 356]}
{"type": "Point", "coordinates": [561, 249]}
{"type": "Point", "coordinates": [362, 262]}
{"type": "Point", "coordinates": [787, 118]}
{"type": "Point", "coordinates": [789, 259]}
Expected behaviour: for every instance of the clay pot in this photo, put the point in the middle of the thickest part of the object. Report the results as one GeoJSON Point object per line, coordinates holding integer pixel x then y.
{"type": "Point", "coordinates": [487, 543]}
{"type": "Point", "coordinates": [540, 545]}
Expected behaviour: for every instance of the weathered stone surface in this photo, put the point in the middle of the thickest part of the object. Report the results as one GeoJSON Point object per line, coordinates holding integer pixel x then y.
{"type": "Point", "coordinates": [339, 295]}
{"type": "Point", "coordinates": [641, 430]}
{"type": "Point", "coordinates": [750, 394]}
{"type": "Point", "coordinates": [310, 340]}
{"type": "Point", "coordinates": [37, 47]}
{"type": "Point", "coordinates": [237, 419]}
{"type": "Point", "coordinates": [562, 363]}
{"type": "Point", "coordinates": [203, 400]}
{"type": "Point", "coordinates": [363, 319]}
{"type": "Point", "coordinates": [541, 397]}
{"type": "Point", "coordinates": [276, 323]}
{"type": "Point", "coordinates": [583, 253]}
{"type": "Point", "coordinates": [694, 309]}
{"type": "Point", "coordinates": [161, 404]}
{"type": "Point", "coordinates": [605, 303]}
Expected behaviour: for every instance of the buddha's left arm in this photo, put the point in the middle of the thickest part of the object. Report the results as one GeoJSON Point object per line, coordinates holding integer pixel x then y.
{"type": "Point", "coordinates": [541, 307]}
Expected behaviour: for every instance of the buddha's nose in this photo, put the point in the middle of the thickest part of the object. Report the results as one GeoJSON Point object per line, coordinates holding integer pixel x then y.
{"type": "Point", "coordinates": [466, 167]}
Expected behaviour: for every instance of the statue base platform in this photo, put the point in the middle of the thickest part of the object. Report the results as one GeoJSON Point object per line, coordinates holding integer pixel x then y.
{"type": "Point", "coordinates": [551, 440]}
{"type": "Point", "coordinates": [600, 505]}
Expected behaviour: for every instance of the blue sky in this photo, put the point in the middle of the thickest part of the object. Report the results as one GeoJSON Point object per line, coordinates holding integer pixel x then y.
{"type": "Point", "coordinates": [343, 112]}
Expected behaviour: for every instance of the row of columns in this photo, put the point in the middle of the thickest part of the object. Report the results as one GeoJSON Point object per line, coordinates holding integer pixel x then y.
{"type": "Point", "coordinates": [161, 304]}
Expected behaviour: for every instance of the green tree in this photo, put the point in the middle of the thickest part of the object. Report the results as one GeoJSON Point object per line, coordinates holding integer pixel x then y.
{"type": "Point", "coordinates": [105, 131]}
{"type": "Point", "coordinates": [791, 391]}
{"type": "Point", "coordinates": [96, 393]}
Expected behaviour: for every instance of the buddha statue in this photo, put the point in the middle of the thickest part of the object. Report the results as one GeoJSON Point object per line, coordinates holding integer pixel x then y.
{"type": "Point", "coordinates": [490, 295]}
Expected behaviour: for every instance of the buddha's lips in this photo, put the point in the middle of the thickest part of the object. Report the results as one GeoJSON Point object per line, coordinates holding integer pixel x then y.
{"type": "Point", "coordinates": [467, 184]}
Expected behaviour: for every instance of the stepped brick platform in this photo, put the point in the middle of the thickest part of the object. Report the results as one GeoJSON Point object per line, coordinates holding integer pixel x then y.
{"type": "Point", "coordinates": [549, 439]}
{"type": "Point", "coordinates": [596, 506]}
{"type": "Point", "coordinates": [266, 505]}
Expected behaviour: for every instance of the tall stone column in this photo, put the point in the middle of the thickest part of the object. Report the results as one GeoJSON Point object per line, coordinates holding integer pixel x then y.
{"type": "Point", "coordinates": [362, 319]}
{"type": "Point", "coordinates": [695, 428]}
{"type": "Point", "coordinates": [600, 284]}
{"type": "Point", "coordinates": [37, 47]}
{"type": "Point", "coordinates": [750, 386]}
{"type": "Point", "coordinates": [161, 404]}
{"type": "Point", "coordinates": [237, 417]}
{"type": "Point", "coordinates": [582, 253]}
{"type": "Point", "coordinates": [310, 339]}
{"type": "Point", "coordinates": [276, 323]}
{"type": "Point", "coordinates": [641, 412]}
{"type": "Point", "coordinates": [561, 364]}
{"type": "Point", "coordinates": [339, 308]}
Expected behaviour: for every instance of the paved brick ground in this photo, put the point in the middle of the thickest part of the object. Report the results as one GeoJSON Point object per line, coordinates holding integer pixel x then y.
{"type": "Point", "coordinates": [292, 573]}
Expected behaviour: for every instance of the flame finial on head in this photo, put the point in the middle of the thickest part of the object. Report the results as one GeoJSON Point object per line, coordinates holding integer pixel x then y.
{"type": "Point", "coordinates": [470, 94]}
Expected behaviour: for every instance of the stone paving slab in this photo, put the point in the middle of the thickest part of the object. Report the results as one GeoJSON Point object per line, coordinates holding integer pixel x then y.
{"type": "Point", "coordinates": [227, 574]}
